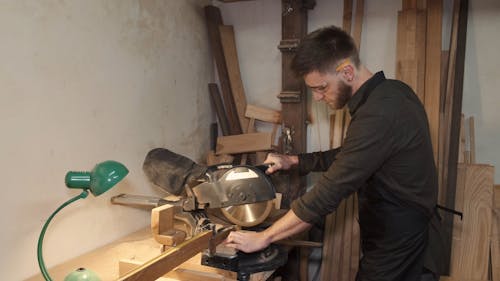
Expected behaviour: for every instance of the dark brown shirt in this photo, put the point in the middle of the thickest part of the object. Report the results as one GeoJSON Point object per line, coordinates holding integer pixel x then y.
{"type": "Point", "coordinates": [387, 140]}
{"type": "Point", "coordinates": [387, 158]}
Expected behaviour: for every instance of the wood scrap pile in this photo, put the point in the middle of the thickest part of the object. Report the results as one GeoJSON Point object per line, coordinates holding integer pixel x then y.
{"type": "Point", "coordinates": [236, 117]}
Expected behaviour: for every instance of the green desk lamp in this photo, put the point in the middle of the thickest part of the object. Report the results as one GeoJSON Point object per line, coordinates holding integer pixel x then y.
{"type": "Point", "coordinates": [102, 178]}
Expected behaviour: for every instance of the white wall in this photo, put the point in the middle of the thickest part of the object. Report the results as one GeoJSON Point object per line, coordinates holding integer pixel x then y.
{"type": "Point", "coordinates": [258, 31]}
{"type": "Point", "coordinates": [86, 81]}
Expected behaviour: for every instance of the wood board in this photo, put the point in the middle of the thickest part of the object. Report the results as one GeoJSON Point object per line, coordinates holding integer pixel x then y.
{"type": "Point", "coordinates": [470, 248]}
{"type": "Point", "coordinates": [244, 143]}
{"type": "Point", "coordinates": [228, 42]}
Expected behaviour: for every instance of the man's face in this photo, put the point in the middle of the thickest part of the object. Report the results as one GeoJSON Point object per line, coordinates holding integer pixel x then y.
{"type": "Point", "coordinates": [329, 88]}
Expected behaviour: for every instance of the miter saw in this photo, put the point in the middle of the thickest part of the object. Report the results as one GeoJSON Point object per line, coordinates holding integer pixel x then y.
{"type": "Point", "coordinates": [244, 195]}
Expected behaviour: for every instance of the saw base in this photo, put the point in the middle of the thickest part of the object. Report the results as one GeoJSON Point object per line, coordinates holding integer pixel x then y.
{"type": "Point", "coordinates": [245, 264]}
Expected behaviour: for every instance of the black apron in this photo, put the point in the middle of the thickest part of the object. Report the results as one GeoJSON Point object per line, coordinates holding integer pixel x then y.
{"type": "Point", "coordinates": [394, 236]}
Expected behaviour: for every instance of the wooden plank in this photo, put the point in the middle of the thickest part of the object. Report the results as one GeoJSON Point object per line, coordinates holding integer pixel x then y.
{"type": "Point", "coordinates": [338, 130]}
{"type": "Point", "coordinates": [470, 260]}
{"type": "Point", "coordinates": [346, 241]}
{"type": "Point", "coordinates": [495, 235]}
{"type": "Point", "coordinates": [410, 49]}
{"type": "Point", "coordinates": [347, 17]}
{"type": "Point", "coordinates": [332, 244]}
{"type": "Point", "coordinates": [356, 244]}
{"type": "Point", "coordinates": [293, 111]}
{"type": "Point", "coordinates": [214, 20]}
{"type": "Point", "coordinates": [461, 148]}
{"type": "Point", "coordinates": [162, 226]}
{"type": "Point", "coordinates": [167, 261]}
{"type": "Point", "coordinates": [442, 130]}
{"type": "Point", "coordinates": [263, 114]}
{"type": "Point", "coordinates": [433, 70]}
{"type": "Point", "coordinates": [244, 143]}
{"type": "Point", "coordinates": [472, 140]}
{"type": "Point", "coordinates": [358, 22]}
{"type": "Point", "coordinates": [456, 109]}
{"type": "Point", "coordinates": [233, 67]}
{"type": "Point", "coordinates": [216, 100]}
{"type": "Point", "coordinates": [191, 270]}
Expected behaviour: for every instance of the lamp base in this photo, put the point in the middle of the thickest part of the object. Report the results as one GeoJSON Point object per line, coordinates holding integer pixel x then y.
{"type": "Point", "coordinates": [82, 274]}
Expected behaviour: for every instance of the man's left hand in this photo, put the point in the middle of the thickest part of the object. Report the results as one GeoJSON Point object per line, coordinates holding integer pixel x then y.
{"type": "Point", "coordinates": [247, 241]}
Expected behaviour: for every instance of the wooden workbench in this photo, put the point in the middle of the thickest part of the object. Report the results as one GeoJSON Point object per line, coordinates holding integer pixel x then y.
{"type": "Point", "coordinates": [139, 247]}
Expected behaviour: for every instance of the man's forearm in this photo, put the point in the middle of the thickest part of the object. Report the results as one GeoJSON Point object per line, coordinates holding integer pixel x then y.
{"type": "Point", "coordinates": [286, 226]}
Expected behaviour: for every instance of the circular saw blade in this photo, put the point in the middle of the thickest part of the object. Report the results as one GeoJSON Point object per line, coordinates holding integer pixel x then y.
{"type": "Point", "coordinates": [248, 215]}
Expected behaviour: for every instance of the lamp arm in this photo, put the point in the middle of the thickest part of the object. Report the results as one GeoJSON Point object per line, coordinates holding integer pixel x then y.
{"type": "Point", "coordinates": [41, 263]}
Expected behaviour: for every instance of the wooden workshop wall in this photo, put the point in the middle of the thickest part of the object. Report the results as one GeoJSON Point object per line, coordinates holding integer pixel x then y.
{"type": "Point", "coordinates": [86, 81]}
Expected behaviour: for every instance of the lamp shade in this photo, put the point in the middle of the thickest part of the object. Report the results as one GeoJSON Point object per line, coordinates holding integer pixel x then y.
{"type": "Point", "coordinates": [103, 177]}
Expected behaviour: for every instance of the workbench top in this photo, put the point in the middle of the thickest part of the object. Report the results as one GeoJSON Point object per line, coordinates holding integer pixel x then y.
{"type": "Point", "coordinates": [138, 247]}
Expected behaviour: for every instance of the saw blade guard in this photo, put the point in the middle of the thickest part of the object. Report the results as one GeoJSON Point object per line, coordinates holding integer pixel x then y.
{"type": "Point", "coordinates": [237, 186]}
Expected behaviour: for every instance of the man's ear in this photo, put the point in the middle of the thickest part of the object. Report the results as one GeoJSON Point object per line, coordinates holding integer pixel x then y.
{"type": "Point", "coordinates": [348, 73]}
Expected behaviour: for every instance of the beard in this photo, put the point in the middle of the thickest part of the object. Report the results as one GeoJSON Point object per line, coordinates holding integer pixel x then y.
{"type": "Point", "coordinates": [344, 94]}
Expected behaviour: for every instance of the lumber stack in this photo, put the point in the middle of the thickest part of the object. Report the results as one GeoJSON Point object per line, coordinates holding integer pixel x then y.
{"type": "Point", "coordinates": [436, 76]}
{"type": "Point", "coordinates": [232, 110]}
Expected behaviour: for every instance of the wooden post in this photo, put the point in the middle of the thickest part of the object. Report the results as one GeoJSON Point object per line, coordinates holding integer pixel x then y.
{"type": "Point", "coordinates": [293, 95]}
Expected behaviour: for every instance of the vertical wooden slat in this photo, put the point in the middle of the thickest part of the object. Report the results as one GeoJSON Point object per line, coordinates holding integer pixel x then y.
{"type": "Point", "coordinates": [456, 109]}
{"type": "Point", "coordinates": [358, 22]}
{"type": "Point", "coordinates": [347, 17]}
{"type": "Point", "coordinates": [293, 112]}
{"type": "Point", "coordinates": [471, 253]}
{"type": "Point", "coordinates": [214, 19]}
{"type": "Point", "coordinates": [410, 49]}
{"type": "Point", "coordinates": [233, 67]}
{"type": "Point", "coordinates": [433, 70]}
{"type": "Point", "coordinates": [216, 100]}
{"type": "Point", "coordinates": [472, 140]}
{"type": "Point", "coordinates": [495, 235]}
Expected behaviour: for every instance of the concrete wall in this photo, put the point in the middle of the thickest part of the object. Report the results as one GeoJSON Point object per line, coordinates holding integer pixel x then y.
{"type": "Point", "coordinates": [86, 81]}
{"type": "Point", "coordinates": [258, 32]}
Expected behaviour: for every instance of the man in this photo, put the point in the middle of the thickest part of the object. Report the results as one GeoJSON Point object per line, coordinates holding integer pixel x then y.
{"type": "Point", "coordinates": [386, 157]}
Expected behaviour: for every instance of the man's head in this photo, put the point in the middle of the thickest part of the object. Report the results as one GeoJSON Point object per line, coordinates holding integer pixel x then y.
{"type": "Point", "coordinates": [327, 60]}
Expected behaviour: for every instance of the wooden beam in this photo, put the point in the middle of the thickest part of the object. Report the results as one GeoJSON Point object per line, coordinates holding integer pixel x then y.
{"type": "Point", "coordinates": [471, 236]}
{"type": "Point", "coordinates": [495, 235]}
{"type": "Point", "coordinates": [244, 143]}
{"type": "Point", "coordinates": [293, 97]}
{"type": "Point", "coordinates": [456, 110]}
{"type": "Point", "coordinates": [216, 100]}
{"type": "Point", "coordinates": [167, 261]}
{"type": "Point", "coordinates": [358, 22]}
{"type": "Point", "coordinates": [347, 18]}
{"type": "Point", "coordinates": [472, 140]}
{"type": "Point", "coordinates": [263, 114]}
{"type": "Point", "coordinates": [233, 67]}
{"type": "Point", "coordinates": [214, 20]}
{"type": "Point", "coordinates": [433, 70]}
{"type": "Point", "coordinates": [410, 49]}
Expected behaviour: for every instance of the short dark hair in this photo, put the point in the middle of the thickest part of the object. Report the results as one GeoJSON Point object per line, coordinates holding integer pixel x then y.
{"type": "Point", "coordinates": [322, 49]}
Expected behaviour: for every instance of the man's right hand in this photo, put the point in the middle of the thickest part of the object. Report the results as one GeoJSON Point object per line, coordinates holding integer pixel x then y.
{"type": "Point", "coordinates": [280, 162]}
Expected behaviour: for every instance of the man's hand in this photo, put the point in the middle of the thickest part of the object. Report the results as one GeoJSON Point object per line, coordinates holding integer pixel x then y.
{"type": "Point", "coordinates": [247, 241]}
{"type": "Point", "coordinates": [280, 162]}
